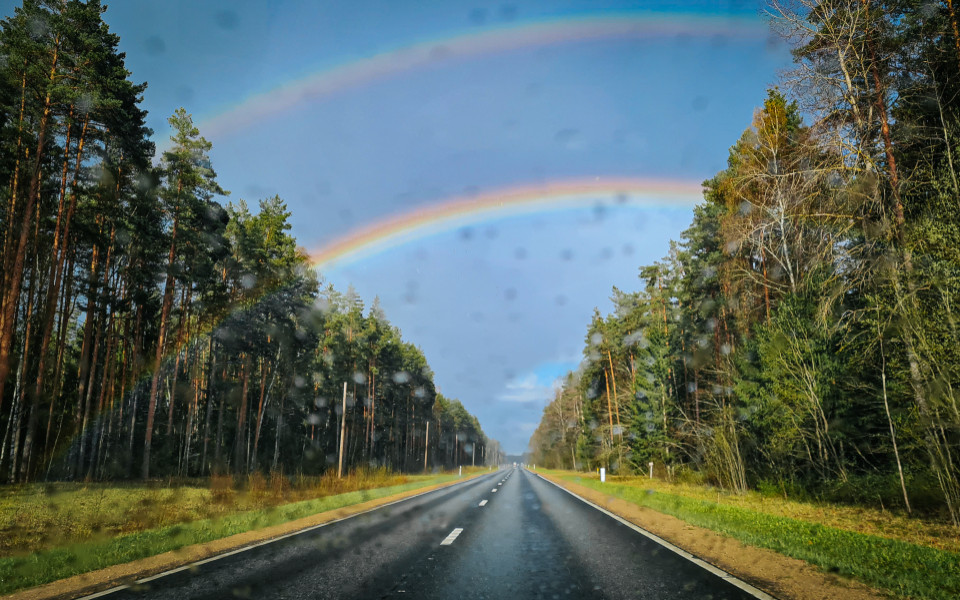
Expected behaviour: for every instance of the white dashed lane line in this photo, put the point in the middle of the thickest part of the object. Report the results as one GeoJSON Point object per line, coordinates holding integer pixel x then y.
{"type": "Point", "coordinates": [483, 502]}
{"type": "Point", "coordinates": [494, 490]}
{"type": "Point", "coordinates": [453, 535]}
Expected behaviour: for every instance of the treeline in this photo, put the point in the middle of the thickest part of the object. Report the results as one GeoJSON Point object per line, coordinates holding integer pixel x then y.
{"type": "Point", "coordinates": [146, 329]}
{"type": "Point", "coordinates": [801, 337]}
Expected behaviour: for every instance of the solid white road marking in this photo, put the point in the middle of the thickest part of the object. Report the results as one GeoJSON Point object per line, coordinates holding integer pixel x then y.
{"type": "Point", "coordinates": [483, 502]}
{"type": "Point", "coordinates": [743, 585]}
{"type": "Point", "coordinates": [453, 535]}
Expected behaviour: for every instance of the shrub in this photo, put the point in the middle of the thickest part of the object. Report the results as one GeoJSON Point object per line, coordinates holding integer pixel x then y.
{"type": "Point", "coordinates": [221, 489]}
{"type": "Point", "coordinates": [257, 488]}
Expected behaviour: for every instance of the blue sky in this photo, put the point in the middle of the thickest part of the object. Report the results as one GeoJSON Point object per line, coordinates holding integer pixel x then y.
{"type": "Point", "coordinates": [500, 309]}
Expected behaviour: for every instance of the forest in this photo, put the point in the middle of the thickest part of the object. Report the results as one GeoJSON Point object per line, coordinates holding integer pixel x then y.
{"type": "Point", "coordinates": [150, 328]}
{"type": "Point", "coordinates": [800, 338]}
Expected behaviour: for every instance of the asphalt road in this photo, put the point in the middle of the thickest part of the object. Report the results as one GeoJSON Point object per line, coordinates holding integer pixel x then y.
{"type": "Point", "coordinates": [509, 534]}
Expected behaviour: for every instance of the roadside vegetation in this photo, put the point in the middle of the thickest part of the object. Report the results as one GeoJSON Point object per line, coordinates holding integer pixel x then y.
{"type": "Point", "coordinates": [857, 519]}
{"type": "Point", "coordinates": [902, 557]}
{"type": "Point", "coordinates": [800, 338]}
{"type": "Point", "coordinates": [54, 531]}
{"type": "Point", "coordinates": [41, 516]}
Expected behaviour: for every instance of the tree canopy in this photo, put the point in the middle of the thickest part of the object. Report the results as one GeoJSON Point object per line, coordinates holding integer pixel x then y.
{"type": "Point", "coordinates": [149, 329]}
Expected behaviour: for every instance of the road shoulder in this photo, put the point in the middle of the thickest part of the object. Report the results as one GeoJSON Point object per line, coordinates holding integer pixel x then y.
{"type": "Point", "coordinates": [781, 576]}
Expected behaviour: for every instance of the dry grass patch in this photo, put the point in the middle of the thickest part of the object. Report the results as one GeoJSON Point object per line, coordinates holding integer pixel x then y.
{"type": "Point", "coordinates": [42, 516]}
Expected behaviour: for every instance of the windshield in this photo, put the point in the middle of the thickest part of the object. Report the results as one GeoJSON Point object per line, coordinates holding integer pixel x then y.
{"type": "Point", "coordinates": [523, 298]}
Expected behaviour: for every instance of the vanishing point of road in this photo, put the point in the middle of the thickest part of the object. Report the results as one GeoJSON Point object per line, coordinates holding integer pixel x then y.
{"type": "Point", "coordinates": [506, 534]}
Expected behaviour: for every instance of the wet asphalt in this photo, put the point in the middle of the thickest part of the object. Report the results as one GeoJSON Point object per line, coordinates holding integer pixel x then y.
{"type": "Point", "coordinates": [530, 539]}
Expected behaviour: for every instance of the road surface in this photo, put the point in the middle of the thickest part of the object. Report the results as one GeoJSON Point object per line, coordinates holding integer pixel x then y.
{"type": "Point", "coordinates": [508, 534]}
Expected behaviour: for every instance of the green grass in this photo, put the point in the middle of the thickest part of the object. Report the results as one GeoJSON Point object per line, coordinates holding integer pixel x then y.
{"type": "Point", "coordinates": [907, 570]}
{"type": "Point", "coordinates": [44, 566]}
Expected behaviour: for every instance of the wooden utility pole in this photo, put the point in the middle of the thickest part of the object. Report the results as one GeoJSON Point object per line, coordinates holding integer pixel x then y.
{"type": "Point", "coordinates": [343, 429]}
{"type": "Point", "coordinates": [426, 447]}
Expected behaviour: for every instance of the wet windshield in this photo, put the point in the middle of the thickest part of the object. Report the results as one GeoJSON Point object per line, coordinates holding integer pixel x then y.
{"type": "Point", "coordinates": [526, 298]}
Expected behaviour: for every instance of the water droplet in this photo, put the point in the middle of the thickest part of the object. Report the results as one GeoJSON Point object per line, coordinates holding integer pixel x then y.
{"type": "Point", "coordinates": [478, 16]}
{"type": "Point", "coordinates": [569, 139]}
{"type": "Point", "coordinates": [155, 45]}
{"type": "Point", "coordinates": [227, 20]}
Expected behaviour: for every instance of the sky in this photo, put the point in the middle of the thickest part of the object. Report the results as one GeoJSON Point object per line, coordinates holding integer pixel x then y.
{"type": "Point", "coordinates": [358, 112]}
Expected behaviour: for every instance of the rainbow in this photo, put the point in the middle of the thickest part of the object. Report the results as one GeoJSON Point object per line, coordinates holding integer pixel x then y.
{"type": "Point", "coordinates": [462, 211]}
{"type": "Point", "coordinates": [515, 36]}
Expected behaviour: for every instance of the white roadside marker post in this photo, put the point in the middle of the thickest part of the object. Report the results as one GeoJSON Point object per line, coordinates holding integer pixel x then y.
{"type": "Point", "coordinates": [603, 474]}
{"type": "Point", "coordinates": [426, 448]}
{"type": "Point", "coordinates": [651, 469]}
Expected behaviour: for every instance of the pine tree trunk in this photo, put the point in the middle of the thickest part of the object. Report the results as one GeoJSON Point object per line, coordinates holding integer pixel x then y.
{"type": "Point", "coordinates": [212, 358]}
{"type": "Point", "coordinates": [216, 448]}
{"type": "Point", "coordinates": [158, 359]}
{"type": "Point", "coordinates": [241, 418]}
{"type": "Point", "coordinates": [256, 438]}
{"type": "Point", "coordinates": [186, 303]}
{"type": "Point", "coordinates": [88, 401]}
{"type": "Point", "coordinates": [61, 337]}
{"type": "Point", "coordinates": [14, 266]}
{"type": "Point", "coordinates": [19, 391]}
{"type": "Point", "coordinates": [276, 441]}
{"type": "Point", "coordinates": [606, 381]}
{"type": "Point", "coordinates": [14, 185]}
{"type": "Point", "coordinates": [60, 241]}
{"type": "Point", "coordinates": [84, 368]}
{"type": "Point", "coordinates": [616, 402]}
{"type": "Point", "coordinates": [373, 413]}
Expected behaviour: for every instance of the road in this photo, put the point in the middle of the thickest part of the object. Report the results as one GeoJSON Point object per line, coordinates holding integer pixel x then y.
{"type": "Point", "coordinates": [507, 534]}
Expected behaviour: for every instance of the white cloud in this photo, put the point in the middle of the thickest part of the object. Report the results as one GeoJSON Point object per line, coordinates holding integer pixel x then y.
{"type": "Point", "coordinates": [529, 388]}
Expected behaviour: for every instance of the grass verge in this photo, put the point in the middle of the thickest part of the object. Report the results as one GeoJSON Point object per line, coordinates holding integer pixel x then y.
{"type": "Point", "coordinates": [44, 566]}
{"type": "Point", "coordinates": [905, 569]}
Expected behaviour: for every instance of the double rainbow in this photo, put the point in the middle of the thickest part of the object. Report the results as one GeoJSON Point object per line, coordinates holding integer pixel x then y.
{"type": "Point", "coordinates": [525, 199]}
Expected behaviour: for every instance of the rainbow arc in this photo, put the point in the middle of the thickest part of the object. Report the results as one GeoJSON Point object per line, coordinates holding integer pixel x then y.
{"type": "Point", "coordinates": [507, 37]}
{"type": "Point", "coordinates": [399, 229]}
